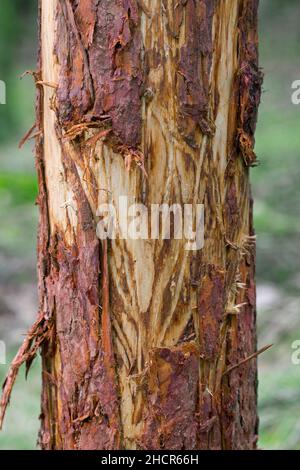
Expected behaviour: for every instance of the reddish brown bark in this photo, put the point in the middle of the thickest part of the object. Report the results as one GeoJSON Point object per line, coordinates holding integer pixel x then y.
{"type": "Point", "coordinates": [99, 48]}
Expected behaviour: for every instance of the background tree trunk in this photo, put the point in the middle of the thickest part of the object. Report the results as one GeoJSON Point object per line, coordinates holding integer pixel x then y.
{"type": "Point", "coordinates": [142, 337]}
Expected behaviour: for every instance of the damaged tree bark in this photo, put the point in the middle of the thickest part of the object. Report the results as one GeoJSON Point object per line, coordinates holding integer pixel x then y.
{"type": "Point", "coordinates": [146, 345]}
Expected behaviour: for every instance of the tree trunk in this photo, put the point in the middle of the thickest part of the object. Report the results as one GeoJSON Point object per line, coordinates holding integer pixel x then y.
{"type": "Point", "coordinates": [147, 345]}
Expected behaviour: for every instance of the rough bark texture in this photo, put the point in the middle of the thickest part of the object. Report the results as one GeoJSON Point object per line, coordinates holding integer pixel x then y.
{"type": "Point", "coordinates": [143, 332]}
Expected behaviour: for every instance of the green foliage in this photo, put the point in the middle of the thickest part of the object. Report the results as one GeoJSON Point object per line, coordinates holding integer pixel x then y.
{"type": "Point", "coordinates": [19, 188]}
{"type": "Point", "coordinates": [17, 38]}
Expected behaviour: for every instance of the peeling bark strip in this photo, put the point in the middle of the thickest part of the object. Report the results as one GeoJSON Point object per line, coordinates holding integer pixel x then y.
{"type": "Point", "coordinates": [194, 66]}
{"type": "Point", "coordinates": [250, 80]}
{"type": "Point", "coordinates": [85, 404]}
{"type": "Point", "coordinates": [146, 345]}
{"type": "Point", "coordinates": [99, 50]}
{"type": "Point", "coordinates": [211, 298]}
{"type": "Point", "coordinates": [172, 394]}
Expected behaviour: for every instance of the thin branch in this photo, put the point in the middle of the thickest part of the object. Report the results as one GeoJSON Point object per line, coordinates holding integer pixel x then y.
{"type": "Point", "coordinates": [71, 18]}
{"type": "Point", "coordinates": [49, 84]}
{"type": "Point", "coordinates": [253, 356]}
{"type": "Point", "coordinates": [34, 339]}
{"type": "Point", "coordinates": [27, 136]}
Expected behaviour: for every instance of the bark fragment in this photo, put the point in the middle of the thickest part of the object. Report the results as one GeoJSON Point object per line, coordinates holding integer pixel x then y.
{"type": "Point", "coordinates": [211, 305]}
{"type": "Point", "coordinates": [250, 80]}
{"type": "Point", "coordinates": [171, 397]}
{"type": "Point", "coordinates": [99, 52]}
{"type": "Point", "coordinates": [195, 60]}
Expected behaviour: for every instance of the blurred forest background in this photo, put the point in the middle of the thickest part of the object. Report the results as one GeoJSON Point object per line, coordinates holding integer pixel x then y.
{"type": "Point", "coordinates": [276, 190]}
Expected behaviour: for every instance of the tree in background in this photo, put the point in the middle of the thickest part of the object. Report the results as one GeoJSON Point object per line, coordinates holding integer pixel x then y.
{"type": "Point", "coordinates": [144, 344]}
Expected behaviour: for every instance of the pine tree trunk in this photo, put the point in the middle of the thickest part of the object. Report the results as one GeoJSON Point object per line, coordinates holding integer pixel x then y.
{"type": "Point", "coordinates": [141, 338]}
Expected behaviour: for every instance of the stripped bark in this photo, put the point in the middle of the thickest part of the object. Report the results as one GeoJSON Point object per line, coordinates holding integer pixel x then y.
{"type": "Point", "coordinates": [149, 342]}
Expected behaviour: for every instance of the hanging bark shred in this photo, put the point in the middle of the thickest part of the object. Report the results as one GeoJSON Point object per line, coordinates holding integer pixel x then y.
{"type": "Point", "coordinates": [27, 136]}
{"type": "Point", "coordinates": [37, 334]}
